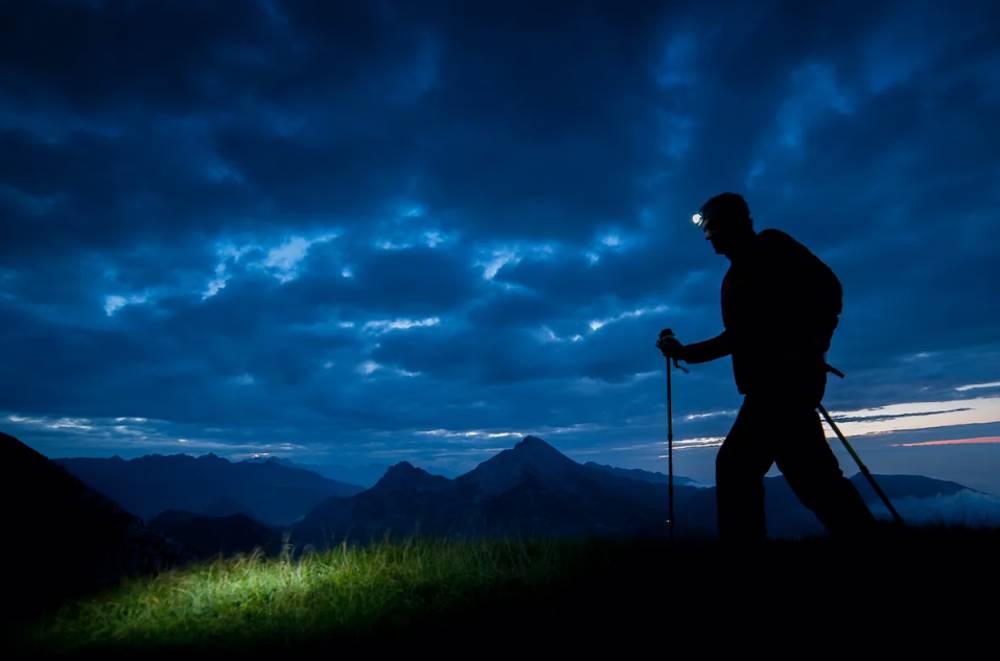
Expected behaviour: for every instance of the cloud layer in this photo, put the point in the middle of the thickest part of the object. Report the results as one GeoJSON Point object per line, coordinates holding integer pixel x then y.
{"type": "Point", "coordinates": [342, 226]}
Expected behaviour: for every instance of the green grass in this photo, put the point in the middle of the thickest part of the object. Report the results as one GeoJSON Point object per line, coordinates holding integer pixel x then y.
{"type": "Point", "coordinates": [425, 589]}
{"type": "Point", "coordinates": [347, 592]}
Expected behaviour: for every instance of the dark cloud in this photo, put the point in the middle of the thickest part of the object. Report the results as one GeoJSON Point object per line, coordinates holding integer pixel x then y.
{"type": "Point", "coordinates": [342, 224]}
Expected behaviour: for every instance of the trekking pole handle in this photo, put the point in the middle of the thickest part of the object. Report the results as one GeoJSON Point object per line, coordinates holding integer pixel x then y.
{"type": "Point", "coordinates": [666, 332]}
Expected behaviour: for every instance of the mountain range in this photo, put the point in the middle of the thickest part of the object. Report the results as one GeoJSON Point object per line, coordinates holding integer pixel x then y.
{"type": "Point", "coordinates": [533, 489]}
{"type": "Point", "coordinates": [208, 504]}
{"type": "Point", "coordinates": [269, 491]}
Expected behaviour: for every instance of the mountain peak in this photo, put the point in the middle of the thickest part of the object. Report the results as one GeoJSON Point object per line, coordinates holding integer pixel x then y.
{"type": "Point", "coordinates": [532, 441]}
{"type": "Point", "coordinates": [405, 475]}
{"type": "Point", "coordinates": [403, 468]}
{"type": "Point", "coordinates": [506, 469]}
{"type": "Point", "coordinates": [534, 444]}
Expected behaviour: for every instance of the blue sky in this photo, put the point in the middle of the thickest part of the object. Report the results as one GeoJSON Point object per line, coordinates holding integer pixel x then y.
{"type": "Point", "coordinates": [367, 232]}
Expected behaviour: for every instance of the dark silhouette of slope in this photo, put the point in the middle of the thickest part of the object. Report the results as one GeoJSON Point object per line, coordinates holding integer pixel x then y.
{"type": "Point", "coordinates": [534, 508]}
{"type": "Point", "coordinates": [641, 475]}
{"type": "Point", "coordinates": [906, 486]}
{"type": "Point", "coordinates": [364, 476]}
{"type": "Point", "coordinates": [407, 500]}
{"type": "Point", "coordinates": [206, 536]}
{"type": "Point", "coordinates": [268, 491]}
{"type": "Point", "coordinates": [63, 538]}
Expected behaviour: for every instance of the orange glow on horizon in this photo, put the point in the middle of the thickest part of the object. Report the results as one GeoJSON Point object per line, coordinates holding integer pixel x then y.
{"type": "Point", "coordinates": [982, 440]}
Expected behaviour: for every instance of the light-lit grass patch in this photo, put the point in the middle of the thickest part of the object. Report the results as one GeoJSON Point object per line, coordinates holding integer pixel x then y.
{"type": "Point", "coordinates": [344, 592]}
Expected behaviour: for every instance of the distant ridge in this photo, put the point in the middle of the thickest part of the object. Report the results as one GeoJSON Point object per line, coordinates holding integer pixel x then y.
{"type": "Point", "coordinates": [639, 474]}
{"type": "Point", "coordinates": [269, 491]}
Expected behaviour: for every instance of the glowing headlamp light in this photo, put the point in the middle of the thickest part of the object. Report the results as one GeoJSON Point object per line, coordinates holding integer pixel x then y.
{"type": "Point", "coordinates": [701, 222]}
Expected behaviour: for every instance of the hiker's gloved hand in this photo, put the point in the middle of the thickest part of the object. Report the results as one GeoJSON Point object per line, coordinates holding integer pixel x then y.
{"type": "Point", "coordinates": [670, 346]}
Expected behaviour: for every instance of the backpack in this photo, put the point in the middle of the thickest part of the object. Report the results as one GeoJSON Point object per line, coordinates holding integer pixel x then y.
{"type": "Point", "coordinates": [816, 288]}
{"type": "Point", "coordinates": [829, 303]}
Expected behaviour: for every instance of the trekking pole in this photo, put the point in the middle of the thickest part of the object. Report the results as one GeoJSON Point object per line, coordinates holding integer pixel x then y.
{"type": "Point", "coordinates": [864, 469]}
{"type": "Point", "coordinates": [670, 439]}
{"type": "Point", "coordinates": [670, 456]}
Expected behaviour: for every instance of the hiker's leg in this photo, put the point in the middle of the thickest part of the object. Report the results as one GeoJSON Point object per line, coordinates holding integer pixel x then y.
{"type": "Point", "coordinates": [806, 460]}
{"type": "Point", "coordinates": [740, 466]}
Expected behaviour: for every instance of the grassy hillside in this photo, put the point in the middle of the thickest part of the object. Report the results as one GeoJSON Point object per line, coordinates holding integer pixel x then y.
{"type": "Point", "coordinates": [501, 592]}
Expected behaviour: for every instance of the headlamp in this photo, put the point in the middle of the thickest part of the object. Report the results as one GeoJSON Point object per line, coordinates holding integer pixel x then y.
{"type": "Point", "coordinates": [701, 222]}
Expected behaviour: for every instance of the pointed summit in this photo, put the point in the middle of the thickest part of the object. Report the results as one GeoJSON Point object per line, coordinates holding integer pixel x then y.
{"type": "Point", "coordinates": [531, 455]}
{"type": "Point", "coordinates": [406, 476]}
{"type": "Point", "coordinates": [534, 446]}
{"type": "Point", "coordinates": [532, 442]}
{"type": "Point", "coordinates": [540, 450]}
{"type": "Point", "coordinates": [407, 466]}
{"type": "Point", "coordinates": [401, 469]}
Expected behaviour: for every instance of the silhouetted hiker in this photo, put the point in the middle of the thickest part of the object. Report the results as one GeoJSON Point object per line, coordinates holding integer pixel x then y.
{"type": "Point", "coordinates": [779, 308]}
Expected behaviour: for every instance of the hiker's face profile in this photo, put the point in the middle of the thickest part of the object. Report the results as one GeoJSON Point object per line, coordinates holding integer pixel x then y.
{"type": "Point", "coordinates": [716, 237]}
{"type": "Point", "coordinates": [723, 234]}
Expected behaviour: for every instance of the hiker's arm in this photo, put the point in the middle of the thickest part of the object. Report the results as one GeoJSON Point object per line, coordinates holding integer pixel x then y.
{"type": "Point", "coordinates": [702, 352]}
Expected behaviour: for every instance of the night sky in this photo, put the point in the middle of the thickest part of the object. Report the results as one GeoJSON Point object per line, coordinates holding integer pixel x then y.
{"type": "Point", "coordinates": [369, 232]}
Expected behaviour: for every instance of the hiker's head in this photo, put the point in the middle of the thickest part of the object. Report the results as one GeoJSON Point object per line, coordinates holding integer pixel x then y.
{"type": "Point", "coordinates": [726, 221]}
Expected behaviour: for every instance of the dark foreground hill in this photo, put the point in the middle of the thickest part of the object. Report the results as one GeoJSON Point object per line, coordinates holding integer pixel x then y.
{"type": "Point", "coordinates": [62, 538]}
{"type": "Point", "coordinates": [650, 597]}
{"type": "Point", "coordinates": [205, 536]}
{"type": "Point", "coordinates": [267, 491]}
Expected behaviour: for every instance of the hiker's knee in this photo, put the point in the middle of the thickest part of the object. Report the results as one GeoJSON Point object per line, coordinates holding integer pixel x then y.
{"type": "Point", "coordinates": [737, 468]}
{"type": "Point", "coordinates": [727, 464]}
{"type": "Point", "coordinates": [743, 459]}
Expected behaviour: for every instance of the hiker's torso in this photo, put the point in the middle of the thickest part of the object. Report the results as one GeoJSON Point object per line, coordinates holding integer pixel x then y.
{"type": "Point", "coordinates": [765, 295]}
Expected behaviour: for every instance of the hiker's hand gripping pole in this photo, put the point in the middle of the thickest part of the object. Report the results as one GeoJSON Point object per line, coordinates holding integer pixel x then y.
{"type": "Point", "coordinates": [670, 346]}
